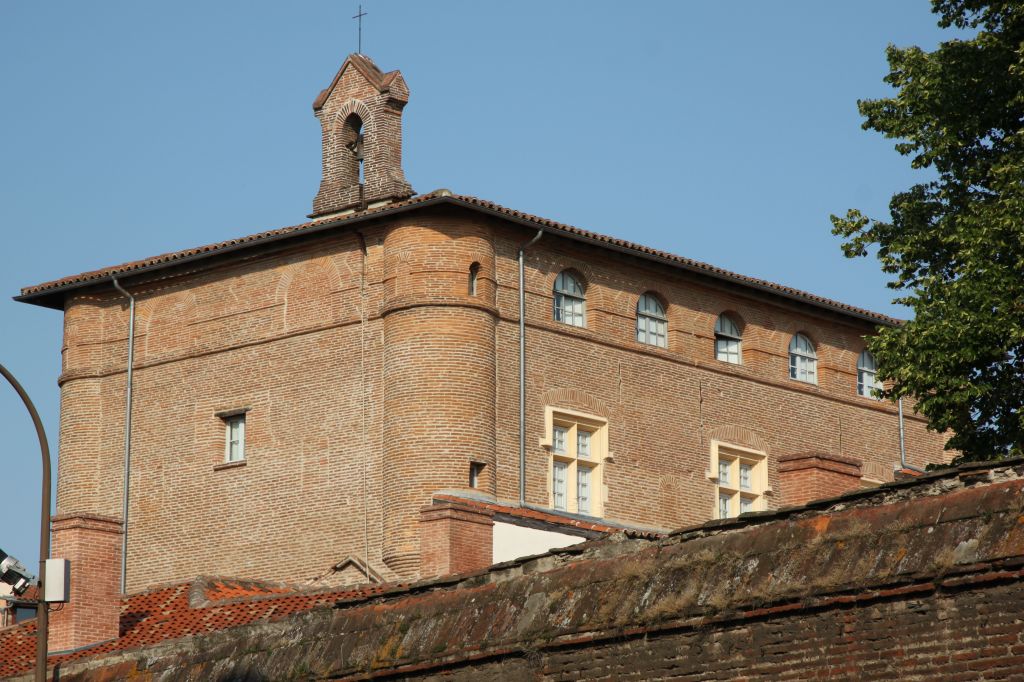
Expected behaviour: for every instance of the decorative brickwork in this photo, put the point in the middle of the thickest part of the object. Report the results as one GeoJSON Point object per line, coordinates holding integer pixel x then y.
{"type": "Point", "coordinates": [814, 476]}
{"type": "Point", "coordinates": [455, 538]}
{"type": "Point", "coordinates": [92, 544]}
{"type": "Point", "coordinates": [360, 116]}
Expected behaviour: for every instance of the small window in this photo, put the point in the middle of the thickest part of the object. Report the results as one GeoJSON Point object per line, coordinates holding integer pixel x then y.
{"type": "Point", "coordinates": [558, 472]}
{"type": "Point", "coordinates": [723, 506]}
{"type": "Point", "coordinates": [651, 322]}
{"type": "Point", "coordinates": [723, 472]}
{"type": "Point", "coordinates": [475, 469]}
{"type": "Point", "coordinates": [803, 361]}
{"type": "Point", "coordinates": [569, 300]}
{"type": "Point", "coordinates": [558, 437]}
{"type": "Point", "coordinates": [727, 340]}
{"type": "Point", "coordinates": [583, 489]}
{"type": "Point", "coordinates": [474, 275]}
{"type": "Point", "coordinates": [745, 473]}
{"type": "Point", "coordinates": [234, 447]}
{"type": "Point", "coordinates": [867, 376]}
{"type": "Point", "coordinates": [583, 444]}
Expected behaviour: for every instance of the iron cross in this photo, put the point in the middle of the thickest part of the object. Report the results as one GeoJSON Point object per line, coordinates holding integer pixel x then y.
{"type": "Point", "coordinates": [360, 18]}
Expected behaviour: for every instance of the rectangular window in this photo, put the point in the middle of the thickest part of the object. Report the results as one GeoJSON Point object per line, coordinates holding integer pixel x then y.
{"type": "Point", "coordinates": [723, 472]}
{"type": "Point", "coordinates": [745, 473]}
{"type": "Point", "coordinates": [475, 468]}
{"type": "Point", "coordinates": [742, 479]}
{"type": "Point", "coordinates": [558, 471]}
{"type": "Point", "coordinates": [234, 449]}
{"type": "Point", "coordinates": [558, 438]}
{"type": "Point", "coordinates": [583, 489]}
{"type": "Point", "coordinates": [583, 444]}
{"type": "Point", "coordinates": [576, 450]}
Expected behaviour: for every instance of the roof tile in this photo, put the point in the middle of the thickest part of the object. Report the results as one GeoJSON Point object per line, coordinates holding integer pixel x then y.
{"type": "Point", "coordinates": [444, 196]}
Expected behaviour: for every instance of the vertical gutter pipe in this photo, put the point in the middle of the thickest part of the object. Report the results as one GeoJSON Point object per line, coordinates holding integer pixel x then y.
{"type": "Point", "coordinates": [903, 445]}
{"type": "Point", "coordinates": [127, 432]}
{"type": "Point", "coordinates": [522, 368]}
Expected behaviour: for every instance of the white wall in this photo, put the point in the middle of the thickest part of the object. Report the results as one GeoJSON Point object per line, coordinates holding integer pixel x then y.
{"type": "Point", "coordinates": [512, 542]}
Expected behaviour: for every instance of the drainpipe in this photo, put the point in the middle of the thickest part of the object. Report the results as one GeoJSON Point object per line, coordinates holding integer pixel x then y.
{"type": "Point", "coordinates": [362, 409]}
{"type": "Point", "coordinates": [522, 369]}
{"type": "Point", "coordinates": [127, 431]}
{"type": "Point", "coordinates": [903, 447]}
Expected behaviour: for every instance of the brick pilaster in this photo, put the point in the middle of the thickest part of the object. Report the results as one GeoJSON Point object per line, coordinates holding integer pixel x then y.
{"type": "Point", "coordinates": [92, 544]}
{"type": "Point", "coordinates": [455, 539]}
{"type": "Point", "coordinates": [812, 476]}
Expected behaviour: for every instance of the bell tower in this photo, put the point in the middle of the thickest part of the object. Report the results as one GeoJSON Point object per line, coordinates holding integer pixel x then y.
{"type": "Point", "coordinates": [360, 116]}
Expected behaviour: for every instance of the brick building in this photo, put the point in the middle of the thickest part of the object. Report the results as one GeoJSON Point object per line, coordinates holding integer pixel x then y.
{"type": "Point", "coordinates": [340, 400]}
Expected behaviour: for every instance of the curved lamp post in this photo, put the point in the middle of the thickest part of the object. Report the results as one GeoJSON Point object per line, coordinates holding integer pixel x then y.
{"type": "Point", "coordinates": [42, 616]}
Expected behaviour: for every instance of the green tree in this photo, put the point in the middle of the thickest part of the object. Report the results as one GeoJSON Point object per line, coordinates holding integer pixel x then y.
{"type": "Point", "coordinates": [955, 244]}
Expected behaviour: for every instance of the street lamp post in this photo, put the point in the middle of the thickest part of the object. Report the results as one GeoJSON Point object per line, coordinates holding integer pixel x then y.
{"type": "Point", "coordinates": [42, 616]}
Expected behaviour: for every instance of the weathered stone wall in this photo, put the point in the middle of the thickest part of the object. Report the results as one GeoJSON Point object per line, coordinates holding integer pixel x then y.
{"type": "Point", "coordinates": [917, 581]}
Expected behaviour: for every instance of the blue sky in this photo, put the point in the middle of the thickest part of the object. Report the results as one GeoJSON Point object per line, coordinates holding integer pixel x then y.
{"type": "Point", "coordinates": [725, 132]}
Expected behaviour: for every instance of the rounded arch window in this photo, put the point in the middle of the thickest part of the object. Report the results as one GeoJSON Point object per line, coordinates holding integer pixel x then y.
{"type": "Point", "coordinates": [867, 376]}
{"type": "Point", "coordinates": [803, 360]}
{"type": "Point", "coordinates": [651, 321]}
{"type": "Point", "coordinates": [570, 300]}
{"type": "Point", "coordinates": [728, 340]}
{"type": "Point", "coordinates": [474, 276]}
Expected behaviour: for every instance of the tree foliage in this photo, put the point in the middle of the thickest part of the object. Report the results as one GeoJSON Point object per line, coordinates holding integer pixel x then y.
{"type": "Point", "coordinates": [955, 244]}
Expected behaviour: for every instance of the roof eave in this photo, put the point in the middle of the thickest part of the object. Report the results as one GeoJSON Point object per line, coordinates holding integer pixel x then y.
{"type": "Point", "coordinates": [54, 298]}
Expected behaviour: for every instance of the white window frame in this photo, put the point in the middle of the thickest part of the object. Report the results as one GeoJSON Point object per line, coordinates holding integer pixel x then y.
{"type": "Point", "coordinates": [728, 341]}
{"type": "Point", "coordinates": [570, 301]}
{"type": "Point", "coordinates": [651, 321]}
{"type": "Point", "coordinates": [867, 376]}
{"type": "Point", "coordinates": [229, 421]}
{"type": "Point", "coordinates": [575, 461]}
{"type": "Point", "coordinates": [803, 359]}
{"type": "Point", "coordinates": [727, 455]}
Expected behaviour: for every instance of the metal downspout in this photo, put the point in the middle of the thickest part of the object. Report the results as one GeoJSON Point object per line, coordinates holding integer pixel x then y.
{"type": "Point", "coordinates": [127, 432]}
{"type": "Point", "coordinates": [903, 446]}
{"type": "Point", "coordinates": [522, 368]}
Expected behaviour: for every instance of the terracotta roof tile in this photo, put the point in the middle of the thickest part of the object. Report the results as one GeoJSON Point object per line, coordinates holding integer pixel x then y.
{"type": "Point", "coordinates": [37, 292]}
{"type": "Point", "coordinates": [169, 612]}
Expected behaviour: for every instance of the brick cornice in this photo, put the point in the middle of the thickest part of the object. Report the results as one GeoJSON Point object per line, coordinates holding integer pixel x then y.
{"type": "Point", "coordinates": [820, 460]}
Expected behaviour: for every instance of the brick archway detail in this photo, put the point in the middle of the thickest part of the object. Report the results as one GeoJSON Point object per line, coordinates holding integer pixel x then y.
{"type": "Point", "coordinates": [738, 435]}
{"type": "Point", "coordinates": [352, 106]}
{"type": "Point", "coordinates": [576, 399]}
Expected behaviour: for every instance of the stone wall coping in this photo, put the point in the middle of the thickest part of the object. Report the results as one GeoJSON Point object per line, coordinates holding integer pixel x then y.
{"type": "Point", "coordinates": [843, 459]}
{"type": "Point", "coordinates": [98, 522]}
{"type": "Point", "coordinates": [949, 501]}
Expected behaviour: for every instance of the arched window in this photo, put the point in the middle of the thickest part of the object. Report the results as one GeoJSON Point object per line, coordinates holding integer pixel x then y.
{"type": "Point", "coordinates": [727, 340]}
{"type": "Point", "coordinates": [651, 322]}
{"type": "Point", "coordinates": [352, 138]}
{"type": "Point", "coordinates": [867, 381]}
{"type": "Point", "coordinates": [474, 275]}
{"type": "Point", "coordinates": [803, 361]}
{"type": "Point", "coordinates": [569, 300]}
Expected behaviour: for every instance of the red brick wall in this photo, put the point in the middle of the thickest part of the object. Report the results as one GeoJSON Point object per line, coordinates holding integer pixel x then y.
{"type": "Point", "coordinates": [93, 546]}
{"type": "Point", "coordinates": [807, 477]}
{"type": "Point", "coordinates": [381, 115]}
{"type": "Point", "coordinates": [455, 538]}
{"type": "Point", "coordinates": [366, 394]}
